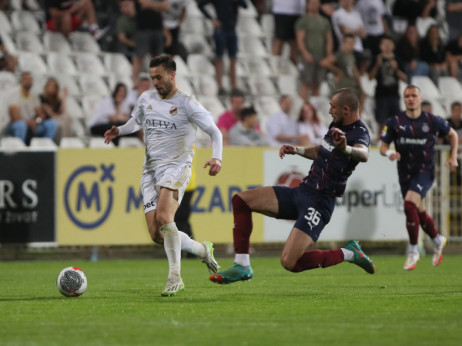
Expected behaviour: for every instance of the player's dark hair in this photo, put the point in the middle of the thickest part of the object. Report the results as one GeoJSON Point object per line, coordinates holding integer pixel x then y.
{"type": "Point", "coordinates": [165, 61]}
{"type": "Point", "coordinates": [117, 88]}
{"type": "Point", "coordinates": [347, 97]}
{"type": "Point", "coordinates": [412, 86]}
{"type": "Point", "coordinates": [247, 112]}
{"type": "Point", "coordinates": [387, 37]}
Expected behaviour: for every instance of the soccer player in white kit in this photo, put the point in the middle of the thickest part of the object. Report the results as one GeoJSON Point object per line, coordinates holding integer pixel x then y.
{"type": "Point", "coordinates": [169, 118]}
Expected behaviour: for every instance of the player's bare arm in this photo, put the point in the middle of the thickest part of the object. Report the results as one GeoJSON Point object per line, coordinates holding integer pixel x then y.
{"type": "Point", "coordinates": [391, 154]}
{"type": "Point", "coordinates": [453, 139]}
{"type": "Point", "coordinates": [307, 152]}
{"type": "Point", "coordinates": [358, 152]}
{"type": "Point", "coordinates": [215, 166]}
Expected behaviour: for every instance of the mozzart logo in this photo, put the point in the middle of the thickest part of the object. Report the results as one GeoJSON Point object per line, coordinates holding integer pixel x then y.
{"type": "Point", "coordinates": [89, 196]}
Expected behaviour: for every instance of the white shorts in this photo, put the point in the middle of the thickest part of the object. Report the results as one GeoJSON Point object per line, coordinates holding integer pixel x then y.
{"type": "Point", "coordinates": [174, 177]}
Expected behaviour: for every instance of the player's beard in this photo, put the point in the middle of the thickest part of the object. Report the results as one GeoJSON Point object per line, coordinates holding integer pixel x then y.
{"type": "Point", "coordinates": [166, 89]}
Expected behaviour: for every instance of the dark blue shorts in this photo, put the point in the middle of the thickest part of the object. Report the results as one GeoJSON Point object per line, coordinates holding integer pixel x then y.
{"type": "Point", "coordinates": [419, 183]}
{"type": "Point", "coordinates": [311, 209]}
{"type": "Point", "coordinates": [225, 39]}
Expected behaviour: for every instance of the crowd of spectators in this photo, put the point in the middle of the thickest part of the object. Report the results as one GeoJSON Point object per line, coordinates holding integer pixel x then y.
{"type": "Point", "coordinates": [335, 41]}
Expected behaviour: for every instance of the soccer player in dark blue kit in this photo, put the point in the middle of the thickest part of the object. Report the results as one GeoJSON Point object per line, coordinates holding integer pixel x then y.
{"type": "Point", "coordinates": [414, 134]}
{"type": "Point", "coordinates": [311, 204]}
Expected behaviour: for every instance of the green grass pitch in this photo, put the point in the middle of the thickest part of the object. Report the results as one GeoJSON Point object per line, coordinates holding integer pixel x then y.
{"type": "Point", "coordinates": [341, 305]}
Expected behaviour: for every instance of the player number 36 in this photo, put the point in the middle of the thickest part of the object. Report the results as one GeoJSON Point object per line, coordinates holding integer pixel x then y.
{"type": "Point", "coordinates": [313, 216]}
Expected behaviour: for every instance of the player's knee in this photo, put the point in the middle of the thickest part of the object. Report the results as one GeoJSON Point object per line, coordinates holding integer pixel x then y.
{"type": "Point", "coordinates": [287, 262]}
{"type": "Point", "coordinates": [156, 236]}
{"type": "Point", "coordinates": [409, 207]}
{"type": "Point", "coordinates": [238, 203]}
{"type": "Point", "coordinates": [163, 218]}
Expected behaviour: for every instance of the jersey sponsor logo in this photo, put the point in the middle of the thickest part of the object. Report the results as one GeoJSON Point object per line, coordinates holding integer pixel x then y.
{"type": "Point", "coordinates": [160, 124]}
{"type": "Point", "coordinates": [416, 141]}
{"type": "Point", "coordinates": [425, 127]}
{"type": "Point", "coordinates": [420, 187]}
{"type": "Point", "coordinates": [327, 146]}
{"type": "Point", "coordinates": [366, 143]}
{"type": "Point", "coordinates": [173, 111]}
{"type": "Point", "coordinates": [149, 107]}
{"type": "Point", "coordinates": [149, 205]}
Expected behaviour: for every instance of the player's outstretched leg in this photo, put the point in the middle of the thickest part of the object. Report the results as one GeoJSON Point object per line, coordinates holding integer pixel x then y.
{"type": "Point", "coordinates": [208, 258]}
{"type": "Point", "coordinates": [173, 286]}
{"type": "Point", "coordinates": [203, 250]}
{"type": "Point", "coordinates": [359, 257]}
{"type": "Point", "coordinates": [237, 272]}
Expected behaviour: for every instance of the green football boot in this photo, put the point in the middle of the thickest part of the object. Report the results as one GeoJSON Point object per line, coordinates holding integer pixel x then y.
{"type": "Point", "coordinates": [360, 258]}
{"type": "Point", "coordinates": [233, 274]}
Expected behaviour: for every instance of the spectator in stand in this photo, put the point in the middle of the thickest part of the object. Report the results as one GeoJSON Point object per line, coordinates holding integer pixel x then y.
{"type": "Point", "coordinates": [343, 65]}
{"type": "Point", "coordinates": [373, 14]}
{"type": "Point", "coordinates": [433, 52]}
{"type": "Point", "coordinates": [347, 21]}
{"type": "Point", "coordinates": [387, 72]}
{"type": "Point", "coordinates": [411, 9]}
{"type": "Point", "coordinates": [315, 42]}
{"type": "Point", "coordinates": [328, 8]}
{"type": "Point", "coordinates": [111, 111]}
{"type": "Point", "coordinates": [408, 54]}
{"type": "Point", "coordinates": [243, 133]}
{"type": "Point", "coordinates": [310, 125]}
{"type": "Point", "coordinates": [286, 13]}
{"type": "Point", "coordinates": [143, 83]}
{"type": "Point", "coordinates": [455, 120]}
{"type": "Point", "coordinates": [54, 107]}
{"type": "Point", "coordinates": [281, 128]}
{"type": "Point", "coordinates": [454, 56]}
{"type": "Point", "coordinates": [149, 35]}
{"type": "Point", "coordinates": [454, 18]}
{"type": "Point", "coordinates": [8, 62]}
{"type": "Point", "coordinates": [126, 28]}
{"type": "Point", "coordinates": [172, 22]}
{"type": "Point", "coordinates": [427, 106]}
{"type": "Point", "coordinates": [26, 115]}
{"type": "Point", "coordinates": [229, 118]}
{"type": "Point", "coordinates": [67, 16]}
{"type": "Point", "coordinates": [225, 36]}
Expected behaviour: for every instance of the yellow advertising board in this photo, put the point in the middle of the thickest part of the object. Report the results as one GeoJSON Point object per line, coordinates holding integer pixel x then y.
{"type": "Point", "coordinates": [98, 197]}
{"type": "Point", "coordinates": [99, 200]}
{"type": "Point", "coordinates": [212, 216]}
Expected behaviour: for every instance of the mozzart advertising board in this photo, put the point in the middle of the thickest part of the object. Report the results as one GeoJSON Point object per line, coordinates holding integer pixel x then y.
{"type": "Point", "coordinates": [27, 190]}
{"type": "Point", "coordinates": [371, 208]}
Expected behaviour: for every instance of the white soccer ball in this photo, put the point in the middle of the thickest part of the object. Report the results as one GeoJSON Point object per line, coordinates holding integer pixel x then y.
{"type": "Point", "coordinates": [71, 282]}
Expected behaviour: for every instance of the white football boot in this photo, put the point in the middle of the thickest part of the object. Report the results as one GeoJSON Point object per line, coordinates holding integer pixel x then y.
{"type": "Point", "coordinates": [173, 286]}
{"type": "Point", "coordinates": [412, 259]}
{"type": "Point", "coordinates": [438, 254]}
{"type": "Point", "coordinates": [208, 259]}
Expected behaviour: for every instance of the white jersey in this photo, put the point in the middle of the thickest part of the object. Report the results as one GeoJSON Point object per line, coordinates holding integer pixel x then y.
{"type": "Point", "coordinates": [170, 127]}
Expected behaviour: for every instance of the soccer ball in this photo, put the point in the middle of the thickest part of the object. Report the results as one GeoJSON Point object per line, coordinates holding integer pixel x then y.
{"type": "Point", "coordinates": [71, 282]}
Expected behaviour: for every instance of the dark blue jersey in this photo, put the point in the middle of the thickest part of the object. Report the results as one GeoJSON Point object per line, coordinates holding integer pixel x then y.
{"type": "Point", "coordinates": [331, 168]}
{"type": "Point", "coordinates": [415, 141]}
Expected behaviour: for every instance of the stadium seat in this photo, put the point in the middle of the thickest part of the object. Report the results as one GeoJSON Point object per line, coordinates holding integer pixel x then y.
{"type": "Point", "coordinates": [267, 24]}
{"type": "Point", "coordinates": [84, 42]}
{"type": "Point", "coordinates": [56, 42]}
{"type": "Point", "coordinates": [71, 142]}
{"type": "Point", "coordinates": [281, 65]}
{"type": "Point", "coordinates": [130, 142]}
{"type": "Point", "coordinates": [205, 85]}
{"type": "Point", "coordinates": [288, 84]}
{"type": "Point", "coordinates": [368, 85]}
{"type": "Point", "coordinates": [262, 86]}
{"type": "Point", "coordinates": [24, 21]}
{"type": "Point", "coordinates": [254, 65]}
{"type": "Point", "coordinates": [60, 63]}
{"type": "Point", "coordinates": [8, 42]}
{"type": "Point", "coordinates": [184, 84]}
{"type": "Point", "coordinates": [248, 25]}
{"type": "Point", "coordinates": [12, 143]}
{"type": "Point", "coordinates": [89, 104]}
{"type": "Point", "coordinates": [212, 104]}
{"type": "Point", "coordinates": [29, 42]}
{"type": "Point", "coordinates": [90, 63]}
{"type": "Point", "coordinates": [250, 11]}
{"type": "Point", "coordinates": [92, 84]}
{"type": "Point", "coordinates": [113, 79]}
{"type": "Point", "coordinates": [73, 108]}
{"type": "Point", "coordinates": [8, 81]}
{"type": "Point", "coordinates": [322, 105]}
{"type": "Point", "coordinates": [42, 143]}
{"type": "Point", "coordinates": [68, 81]}
{"type": "Point", "coordinates": [5, 25]}
{"type": "Point", "coordinates": [196, 44]}
{"type": "Point", "coordinates": [194, 24]}
{"type": "Point", "coordinates": [117, 63]}
{"type": "Point", "coordinates": [98, 143]}
{"type": "Point", "coordinates": [28, 61]}
{"type": "Point", "coordinates": [449, 87]}
{"type": "Point", "coordinates": [266, 105]}
{"type": "Point", "coordinates": [427, 87]}
{"type": "Point", "coordinates": [181, 68]}
{"type": "Point", "coordinates": [297, 103]}
{"type": "Point", "coordinates": [253, 46]}
{"type": "Point", "coordinates": [437, 107]}
{"type": "Point", "coordinates": [199, 64]}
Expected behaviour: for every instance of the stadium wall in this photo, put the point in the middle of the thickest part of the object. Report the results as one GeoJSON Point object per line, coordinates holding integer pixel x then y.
{"type": "Point", "coordinates": [98, 200]}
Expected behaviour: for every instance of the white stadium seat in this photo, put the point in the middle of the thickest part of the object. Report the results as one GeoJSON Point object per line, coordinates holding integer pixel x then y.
{"type": "Point", "coordinates": [84, 42]}
{"type": "Point", "coordinates": [262, 86]}
{"type": "Point", "coordinates": [8, 42]}
{"type": "Point", "coordinates": [24, 21]}
{"type": "Point", "coordinates": [90, 104]}
{"type": "Point", "coordinates": [28, 61]}
{"type": "Point", "coordinates": [8, 81]}
{"type": "Point", "coordinates": [61, 63]}
{"type": "Point", "coordinates": [91, 84]}
{"type": "Point", "coordinates": [98, 143]}
{"type": "Point", "coordinates": [199, 64]}
{"type": "Point", "coordinates": [266, 105]}
{"type": "Point", "coordinates": [205, 85]}
{"type": "Point", "coordinates": [193, 24]}
{"type": "Point", "coordinates": [29, 42]}
{"type": "Point", "coordinates": [449, 87]}
{"type": "Point", "coordinates": [89, 63]}
{"type": "Point", "coordinates": [130, 142]}
{"type": "Point", "coordinates": [12, 143]}
{"type": "Point", "coordinates": [288, 84]}
{"type": "Point", "coordinates": [42, 143]}
{"type": "Point", "coordinates": [196, 44]}
{"type": "Point", "coordinates": [248, 25]}
{"type": "Point", "coordinates": [212, 104]}
{"type": "Point", "coordinates": [5, 25]}
{"type": "Point", "coordinates": [71, 142]}
{"type": "Point", "coordinates": [181, 67]}
{"type": "Point", "coordinates": [117, 63]}
{"type": "Point", "coordinates": [73, 108]}
{"type": "Point", "coordinates": [427, 87]}
{"type": "Point", "coordinates": [251, 45]}
{"type": "Point", "coordinates": [184, 84]}
{"type": "Point", "coordinates": [256, 66]}
{"type": "Point", "coordinates": [56, 42]}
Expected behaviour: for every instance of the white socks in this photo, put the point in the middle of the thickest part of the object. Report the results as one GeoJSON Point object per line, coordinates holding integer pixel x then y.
{"type": "Point", "coordinates": [413, 248]}
{"type": "Point", "coordinates": [348, 255]}
{"type": "Point", "coordinates": [437, 240]}
{"type": "Point", "coordinates": [172, 246]}
{"type": "Point", "coordinates": [191, 246]}
{"type": "Point", "coordinates": [242, 259]}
